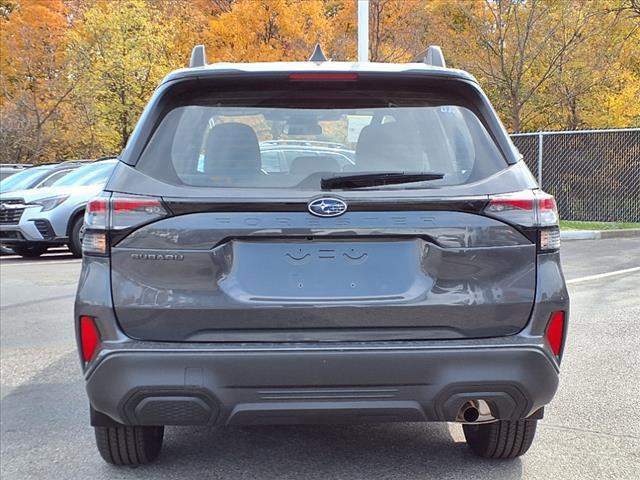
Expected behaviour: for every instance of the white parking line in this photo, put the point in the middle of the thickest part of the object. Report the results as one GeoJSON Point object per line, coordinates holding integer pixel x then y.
{"type": "Point", "coordinates": [42, 262]}
{"type": "Point", "coordinates": [603, 275]}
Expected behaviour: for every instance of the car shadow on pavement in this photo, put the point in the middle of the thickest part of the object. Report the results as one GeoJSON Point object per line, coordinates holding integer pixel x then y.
{"type": "Point", "coordinates": [376, 451]}
{"type": "Point", "coordinates": [46, 434]}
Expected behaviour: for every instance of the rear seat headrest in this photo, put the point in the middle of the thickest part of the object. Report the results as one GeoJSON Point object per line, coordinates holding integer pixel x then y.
{"type": "Point", "coordinates": [388, 146]}
{"type": "Point", "coordinates": [232, 148]}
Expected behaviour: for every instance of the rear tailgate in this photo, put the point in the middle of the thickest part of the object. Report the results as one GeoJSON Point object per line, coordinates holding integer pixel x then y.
{"type": "Point", "coordinates": [241, 258]}
{"type": "Point", "coordinates": [289, 276]}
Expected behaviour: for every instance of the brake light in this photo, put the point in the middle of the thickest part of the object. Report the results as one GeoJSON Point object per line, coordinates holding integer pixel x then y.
{"type": "Point", "coordinates": [323, 77]}
{"type": "Point", "coordinates": [502, 203]}
{"type": "Point", "coordinates": [529, 208]}
{"type": "Point", "coordinates": [89, 337]}
{"type": "Point", "coordinates": [555, 332]}
{"type": "Point", "coordinates": [547, 210]}
{"type": "Point", "coordinates": [128, 212]}
{"type": "Point", "coordinates": [96, 214]}
{"type": "Point", "coordinates": [116, 212]}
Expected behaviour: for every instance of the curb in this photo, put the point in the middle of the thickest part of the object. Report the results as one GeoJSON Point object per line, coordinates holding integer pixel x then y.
{"type": "Point", "coordinates": [599, 234]}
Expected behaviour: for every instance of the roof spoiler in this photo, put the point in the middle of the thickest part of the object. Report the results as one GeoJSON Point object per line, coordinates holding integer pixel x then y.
{"type": "Point", "coordinates": [198, 57]}
{"type": "Point", "coordinates": [435, 57]}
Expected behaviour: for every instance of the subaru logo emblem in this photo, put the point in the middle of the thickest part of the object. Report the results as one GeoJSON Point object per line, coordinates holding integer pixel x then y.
{"type": "Point", "coordinates": [327, 207]}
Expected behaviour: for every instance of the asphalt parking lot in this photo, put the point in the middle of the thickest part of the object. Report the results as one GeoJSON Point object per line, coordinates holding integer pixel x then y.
{"type": "Point", "coordinates": [590, 431]}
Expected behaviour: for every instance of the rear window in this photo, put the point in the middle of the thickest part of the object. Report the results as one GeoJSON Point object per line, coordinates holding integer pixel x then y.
{"type": "Point", "coordinates": [293, 138]}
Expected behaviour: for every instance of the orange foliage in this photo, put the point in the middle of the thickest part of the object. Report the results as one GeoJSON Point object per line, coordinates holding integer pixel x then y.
{"type": "Point", "coordinates": [537, 59]}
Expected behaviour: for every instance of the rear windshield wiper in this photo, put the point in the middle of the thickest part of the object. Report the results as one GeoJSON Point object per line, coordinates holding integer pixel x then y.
{"type": "Point", "coordinates": [376, 179]}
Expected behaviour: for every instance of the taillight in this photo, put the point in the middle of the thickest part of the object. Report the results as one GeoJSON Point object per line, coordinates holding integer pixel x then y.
{"type": "Point", "coordinates": [94, 243]}
{"type": "Point", "coordinates": [96, 214]}
{"type": "Point", "coordinates": [547, 210]}
{"type": "Point", "coordinates": [127, 212]}
{"type": "Point", "coordinates": [116, 212]}
{"type": "Point", "coordinates": [89, 337]}
{"type": "Point", "coordinates": [555, 332]}
{"type": "Point", "coordinates": [549, 239]}
{"type": "Point", "coordinates": [529, 208]}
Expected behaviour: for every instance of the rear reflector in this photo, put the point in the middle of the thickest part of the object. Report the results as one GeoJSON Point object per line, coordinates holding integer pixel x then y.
{"type": "Point", "coordinates": [323, 77]}
{"type": "Point", "coordinates": [89, 337]}
{"type": "Point", "coordinates": [555, 332]}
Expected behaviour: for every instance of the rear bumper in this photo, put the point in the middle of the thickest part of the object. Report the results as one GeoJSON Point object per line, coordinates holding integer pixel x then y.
{"type": "Point", "coordinates": [243, 386]}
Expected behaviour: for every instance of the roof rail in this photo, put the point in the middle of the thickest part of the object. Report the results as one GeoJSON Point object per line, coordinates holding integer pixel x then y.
{"type": "Point", "coordinates": [78, 160]}
{"type": "Point", "coordinates": [435, 57]}
{"type": "Point", "coordinates": [317, 55]}
{"type": "Point", "coordinates": [198, 57]}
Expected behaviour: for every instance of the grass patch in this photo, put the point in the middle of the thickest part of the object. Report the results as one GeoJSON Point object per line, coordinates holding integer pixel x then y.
{"type": "Point", "coordinates": [571, 225]}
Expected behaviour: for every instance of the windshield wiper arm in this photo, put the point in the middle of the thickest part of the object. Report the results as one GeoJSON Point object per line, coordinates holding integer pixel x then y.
{"type": "Point", "coordinates": [376, 179]}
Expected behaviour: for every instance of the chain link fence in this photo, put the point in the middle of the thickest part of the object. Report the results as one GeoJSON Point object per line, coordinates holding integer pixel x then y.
{"type": "Point", "coordinates": [594, 174]}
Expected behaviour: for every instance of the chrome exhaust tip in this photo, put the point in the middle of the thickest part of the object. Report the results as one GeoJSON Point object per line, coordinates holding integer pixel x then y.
{"type": "Point", "coordinates": [470, 414]}
{"type": "Point", "coordinates": [475, 411]}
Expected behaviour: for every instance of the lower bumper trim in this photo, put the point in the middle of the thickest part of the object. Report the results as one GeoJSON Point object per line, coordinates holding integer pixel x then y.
{"type": "Point", "coordinates": [210, 388]}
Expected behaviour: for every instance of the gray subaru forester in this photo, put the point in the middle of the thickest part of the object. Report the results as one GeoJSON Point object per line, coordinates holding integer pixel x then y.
{"type": "Point", "coordinates": [412, 276]}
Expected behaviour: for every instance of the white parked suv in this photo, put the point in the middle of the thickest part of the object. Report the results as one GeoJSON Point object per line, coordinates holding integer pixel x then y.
{"type": "Point", "coordinates": [33, 220]}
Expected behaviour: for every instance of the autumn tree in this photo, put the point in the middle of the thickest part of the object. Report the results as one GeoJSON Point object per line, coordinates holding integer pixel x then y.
{"type": "Point", "coordinates": [34, 80]}
{"type": "Point", "coordinates": [75, 74]}
{"type": "Point", "coordinates": [189, 20]}
{"type": "Point", "coordinates": [268, 30]}
{"type": "Point", "coordinates": [387, 42]}
{"type": "Point", "coordinates": [613, 102]}
{"type": "Point", "coordinates": [123, 48]}
{"type": "Point", "coordinates": [6, 7]}
{"type": "Point", "coordinates": [517, 47]}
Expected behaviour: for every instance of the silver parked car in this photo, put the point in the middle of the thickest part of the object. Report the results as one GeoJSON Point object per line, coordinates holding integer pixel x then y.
{"type": "Point", "coordinates": [296, 156]}
{"type": "Point", "coordinates": [9, 169]}
{"type": "Point", "coordinates": [39, 176]}
{"type": "Point", "coordinates": [33, 220]}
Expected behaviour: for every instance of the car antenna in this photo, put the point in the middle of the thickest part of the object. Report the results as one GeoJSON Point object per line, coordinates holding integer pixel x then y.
{"type": "Point", "coordinates": [198, 57]}
{"type": "Point", "coordinates": [317, 55]}
{"type": "Point", "coordinates": [435, 57]}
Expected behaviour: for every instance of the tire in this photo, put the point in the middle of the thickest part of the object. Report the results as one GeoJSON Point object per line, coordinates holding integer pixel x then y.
{"type": "Point", "coordinates": [127, 445]}
{"type": "Point", "coordinates": [502, 439]}
{"type": "Point", "coordinates": [29, 251]}
{"type": "Point", "coordinates": [75, 242]}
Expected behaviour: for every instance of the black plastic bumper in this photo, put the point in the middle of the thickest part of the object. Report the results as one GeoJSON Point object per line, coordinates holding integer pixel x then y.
{"type": "Point", "coordinates": [207, 387]}
{"type": "Point", "coordinates": [15, 237]}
